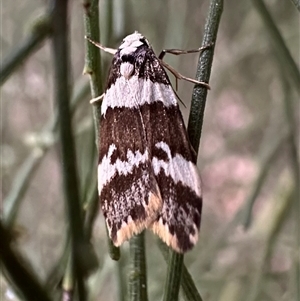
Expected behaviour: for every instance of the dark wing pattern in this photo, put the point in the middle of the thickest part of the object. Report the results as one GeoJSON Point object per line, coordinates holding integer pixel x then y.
{"type": "Point", "coordinates": [147, 178]}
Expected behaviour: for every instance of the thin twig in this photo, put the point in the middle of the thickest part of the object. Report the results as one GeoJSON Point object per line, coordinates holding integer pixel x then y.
{"type": "Point", "coordinates": [172, 285]}
{"type": "Point", "coordinates": [279, 46]}
{"type": "Point", "coordinates": [203, 73]}
{"type": "Point", "coordinates": [195, 126]}
{"type": "Point", "coordinates": [40, 30]}
{"type": "Point", "coordinates": [69, 170]}
{"type": "Point", "coordinates": [188, 286]}
{"type": "Point", "coordinates": [93, 69]}
{"type": "Point", "coordinates": [19, 187]}
{"type": "Point", "coordinates": [137, 273]}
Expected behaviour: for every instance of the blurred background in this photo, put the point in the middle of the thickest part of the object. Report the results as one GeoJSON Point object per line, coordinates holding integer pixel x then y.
{"type": "Point", "coordinates": [248, 158]}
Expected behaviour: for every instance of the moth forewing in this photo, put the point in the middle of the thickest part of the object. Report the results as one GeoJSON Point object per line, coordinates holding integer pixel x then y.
{"type": "Point", "coordinates": [146, 174]}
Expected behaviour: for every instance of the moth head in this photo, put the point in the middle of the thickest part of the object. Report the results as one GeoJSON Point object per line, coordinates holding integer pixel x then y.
{"type": "Point", "coordinates": [132, 42]}
{"type": "Point", "coordinates": [127, 51]}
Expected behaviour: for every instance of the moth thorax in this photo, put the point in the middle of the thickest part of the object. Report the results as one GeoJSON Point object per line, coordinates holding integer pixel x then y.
{"type": "Point", "coordinates": [126, 69]}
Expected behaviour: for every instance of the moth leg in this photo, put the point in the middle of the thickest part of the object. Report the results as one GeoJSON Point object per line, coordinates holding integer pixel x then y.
{"type": "Point", "coordinates": [106, 49]}
{"type": "Point", "coordinates": [180, 76]}
{"type": "Point", "coordinates": [96, 99]}
{"type": "Point", "coordinates": [180, 51]}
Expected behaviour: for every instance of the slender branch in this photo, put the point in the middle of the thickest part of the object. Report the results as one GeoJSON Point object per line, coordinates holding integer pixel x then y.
{"type": "Point", "coordinates": [279, 46]}
{"type": "Point", "coordinates": [195, 126]}
{"type": "Point", "coordinates": [93, 69]}
{"type": "Point", "coordinates": [92, 209]}
{"type": "Point", "coordinates": [137, 274]}
{"type": "Point", "coordinates": [70, 178]}
{"type": "Point", "coordinates": [188, 286]}
{"type": "Point", "coordinates": [203, 73]}
{"type": "Point", "coordinates": [172, 285]}
{"type": "Point", "coordinates": [40, 30]}
{"type": "Point", "coordinates": [19, 187]}
{"type": "Point", "coordinates": [189, 289]}
{"type": "Point", "coordinates": [121, 283]}
{"type": "Point", "coordinates": [18, 271]}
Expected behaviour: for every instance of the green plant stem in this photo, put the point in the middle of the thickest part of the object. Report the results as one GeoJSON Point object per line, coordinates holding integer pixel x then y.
{"type": "Point", "coordinates": [21, 182]}
{"type": "Point", "coordinates": [188, 286]}
{"type": "Point", "coordinates": [92, 210]}
{"type": "Point", "coordinates": [189, 289]}
{"type": "Point", "coordinates": [92, 65]}
{"type": "Point", "coordinates": [20, 185]}
{"type": "Point", "coordinates": [68, 156]}
{"type": "Point", "coordinates": [203, 73]}
{"type": "Point", "coordinates": [137, 274]}
{"type": "Point", "coordinates": [114, 252]}
{"type": "Point", "coordinates": [40, 30]}
{"type": "Point", "coordinates": [93, 69]}
{"type": "Point", "coordinates": [288, 64]}
{"type": "Point", "coordinates": [26, 284]}
{"type": "Point", "coordinates": [172, 285]}
{"type": "Point", "coordinates": [121, 283]}
{"type": "Point", "coordinates": [195, 127]}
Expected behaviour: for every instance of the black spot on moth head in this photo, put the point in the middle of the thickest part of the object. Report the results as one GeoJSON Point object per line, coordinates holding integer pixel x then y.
{"type": "Point", "coordinates": [135, 57]}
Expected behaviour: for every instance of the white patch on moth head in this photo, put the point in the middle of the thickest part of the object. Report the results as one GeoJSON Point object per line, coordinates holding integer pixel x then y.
{"type": "Point", "coordinates": [135, 92]}
{"type": "Point", "coordinates": [106, 170]}
{"type": "Point", "coordinates": [126, 69]}
{"type": "Point", "coordinates": [131, 43]}
{"type": "Point", "coordinates": [178, 168]}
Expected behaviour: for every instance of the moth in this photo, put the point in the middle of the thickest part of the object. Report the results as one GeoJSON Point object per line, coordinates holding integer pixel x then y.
{"type": "Point", "coordinates": [147, 178]}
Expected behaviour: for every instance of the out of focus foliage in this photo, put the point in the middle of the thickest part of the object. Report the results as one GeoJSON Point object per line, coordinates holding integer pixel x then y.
{"type": "Point", "coordinates": [249, 243]}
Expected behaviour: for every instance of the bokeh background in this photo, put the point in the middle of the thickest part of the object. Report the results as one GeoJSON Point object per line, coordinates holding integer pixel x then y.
{"type": "Point", "coordinates": [248, 157]}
